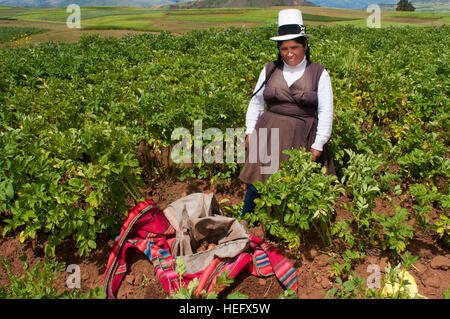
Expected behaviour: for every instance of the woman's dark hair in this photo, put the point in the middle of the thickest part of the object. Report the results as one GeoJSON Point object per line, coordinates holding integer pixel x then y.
{"type": "Point", "coordinates": [302, 41]}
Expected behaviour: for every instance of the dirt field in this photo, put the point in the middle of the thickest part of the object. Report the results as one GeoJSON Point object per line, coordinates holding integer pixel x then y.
{"type": "Point", "coordinates": [430, 272]}
{"type": "Point", "coordinates": [58, 32]}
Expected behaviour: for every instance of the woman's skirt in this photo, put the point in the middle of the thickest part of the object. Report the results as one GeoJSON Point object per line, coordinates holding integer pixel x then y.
{"type": "Point", "coordinates": [279, 132]}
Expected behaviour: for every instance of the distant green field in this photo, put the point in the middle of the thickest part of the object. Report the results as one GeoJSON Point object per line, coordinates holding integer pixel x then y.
{"type": "Point", "coordinates": [249, 13]}
{"type": "Point", "coordinates": [438, 16]}
{"type": "Point", "coordinates": [383, 23]}
{"type": "Point", "coordinates": [436, 7]}
{"type": "Point", "coordinates": [210, 11]}
{"type": "Point", "coordinates": [13, 33]}
{"type": "Point", "coordinates": [10, 13]}
{"type": "Point", "coordinates": [59, 15]}
{"type": "Point", "coordinates": [427, 7]}
{"type": "Point", "coordinates": [185, 20]}
{"type": "Point", "coordinates": [129, 21]}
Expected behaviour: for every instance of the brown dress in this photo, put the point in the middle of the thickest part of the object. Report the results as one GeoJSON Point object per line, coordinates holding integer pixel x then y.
{"type": "Point", "coordinates": [293, 111]}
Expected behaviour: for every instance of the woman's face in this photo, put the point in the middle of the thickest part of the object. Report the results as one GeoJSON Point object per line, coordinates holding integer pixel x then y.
{"type": "Point", "coordinates": [292, 52]}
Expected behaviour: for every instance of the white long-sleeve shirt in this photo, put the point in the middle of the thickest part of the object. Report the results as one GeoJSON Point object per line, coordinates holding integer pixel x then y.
{"type": "Point", "coordinates": [324, 109]}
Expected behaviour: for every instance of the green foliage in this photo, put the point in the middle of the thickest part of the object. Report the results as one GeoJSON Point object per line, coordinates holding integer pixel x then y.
{"type": "Point", "coordinates": [359, 180]}
{"type": "Point", "coordinates": [442, 227]}
{"type": "Point", "coordinates": [396, 231]}
{"type": "Point", "coordinates": [38, 282]}
{"type": "Point", "coordinates": [354, 132]}
{"type": "Point", "coordinates": [297, 198]}
{"type": "Point", "coordinates": [344, 269]}
{"type": "Point", "coordinates": [446, 294]}
{"type": "Point", "coordinates": [408, 260]}
{"type": "Point", "coordinates": [288, 294]}
{"type": "Point", "coordinates": [426, 162]}
{"type": "Point", "coordinates": [74, 117]}
{"type": "Point", "coordinates": [343, 229]}
{"type": "Point", "coordinates": [16, 33]}
{"type": "Point", "coordinates": [233, 211]}
{"type": "Point", "coordinates": [425, 197]}
{"type": "Point", "coordinates": [348, 289]}
{"type": "Point", "coordinates": [79, 191]}
{"type": "Point", "coordinates": [402, 286]}
{"type": "Point", "coordinates": [394, 284]}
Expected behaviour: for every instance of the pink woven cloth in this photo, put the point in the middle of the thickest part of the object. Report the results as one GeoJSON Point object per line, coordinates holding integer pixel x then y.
{"type": "Point", "coordinates": [146, 230]}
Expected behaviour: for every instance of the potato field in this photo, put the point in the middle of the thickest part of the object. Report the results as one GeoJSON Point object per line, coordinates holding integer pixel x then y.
{"type": "Point", "coordinates": [86, 133]}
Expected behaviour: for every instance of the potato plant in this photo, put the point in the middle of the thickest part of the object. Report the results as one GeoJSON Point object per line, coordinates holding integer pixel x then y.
{"type": "Point", "coordinates": [296, 199]}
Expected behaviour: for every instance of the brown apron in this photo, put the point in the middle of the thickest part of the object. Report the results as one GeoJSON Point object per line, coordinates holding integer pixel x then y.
{"type": "Point", "coordinates": [293, 111]}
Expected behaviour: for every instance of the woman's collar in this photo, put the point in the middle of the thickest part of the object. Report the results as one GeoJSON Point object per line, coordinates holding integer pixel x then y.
{"type": "Point", "coordinates": [298, 66]}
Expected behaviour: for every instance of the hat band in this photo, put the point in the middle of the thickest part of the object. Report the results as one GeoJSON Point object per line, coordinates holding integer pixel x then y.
{"type": "Point", "coordinates": [291, 29]}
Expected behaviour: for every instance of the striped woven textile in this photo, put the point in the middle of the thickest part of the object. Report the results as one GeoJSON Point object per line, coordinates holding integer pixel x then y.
{"type": "Point", "coordinates": [146, 230]}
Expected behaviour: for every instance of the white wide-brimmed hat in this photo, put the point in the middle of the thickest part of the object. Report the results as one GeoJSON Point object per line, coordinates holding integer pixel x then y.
{"type": "Point", "coordinates": [290, 25]}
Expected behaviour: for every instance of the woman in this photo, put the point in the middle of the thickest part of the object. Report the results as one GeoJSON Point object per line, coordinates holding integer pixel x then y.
{"type": "Point", "coordinates": [299, 113]}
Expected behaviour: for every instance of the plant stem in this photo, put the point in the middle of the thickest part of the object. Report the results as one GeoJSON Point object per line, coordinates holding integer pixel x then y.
{"type": "Point", "coordinates": [130, 192]}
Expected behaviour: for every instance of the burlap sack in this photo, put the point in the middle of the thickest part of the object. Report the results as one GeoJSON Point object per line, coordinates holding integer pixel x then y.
{"type": "Point", "coordinates": [197, 217]}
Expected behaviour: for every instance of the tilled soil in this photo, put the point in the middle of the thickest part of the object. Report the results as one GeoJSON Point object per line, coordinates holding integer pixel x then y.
{"type": "Point", "coordinates": [314, 280]}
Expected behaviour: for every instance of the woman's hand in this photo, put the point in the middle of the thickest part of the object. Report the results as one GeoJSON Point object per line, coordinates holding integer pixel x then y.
{"type": "Point", "coordinates": [315, 154]}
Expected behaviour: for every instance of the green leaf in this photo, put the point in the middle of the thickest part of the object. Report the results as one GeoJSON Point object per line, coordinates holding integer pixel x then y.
{"type": "Point", "coordinates": [237, 295]}
{"type": "Point", "coordinates": [180, 266]}
{"type": "Point", "coordinates": [211, 295]}
{"type": "Point", "coordinates": [92, 244]}
{"type": "Point", "coordinates": [9, 191]}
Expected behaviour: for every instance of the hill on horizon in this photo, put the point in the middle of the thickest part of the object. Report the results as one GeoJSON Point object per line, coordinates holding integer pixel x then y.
{"type": "Point", "coordinates": [204, 4]}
